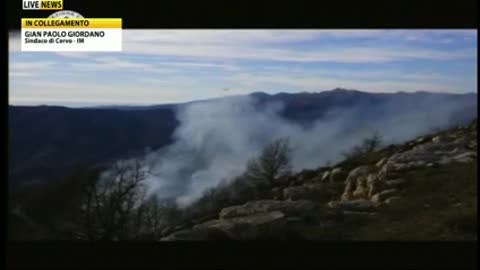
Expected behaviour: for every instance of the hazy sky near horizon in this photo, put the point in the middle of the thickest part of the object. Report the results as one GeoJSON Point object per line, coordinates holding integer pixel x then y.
{"type": "Point", "coordinates": [168, 66]}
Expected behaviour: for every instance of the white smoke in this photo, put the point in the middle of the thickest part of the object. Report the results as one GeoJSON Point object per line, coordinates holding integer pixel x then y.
{"type": "Point", "coordinates": [215, 139]}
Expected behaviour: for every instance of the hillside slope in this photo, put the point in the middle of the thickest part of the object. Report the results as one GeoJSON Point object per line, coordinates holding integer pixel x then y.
{"type": "Point", "coordinates": [49, 142]}
{"type": "Point", "coordinates": [425, 189]}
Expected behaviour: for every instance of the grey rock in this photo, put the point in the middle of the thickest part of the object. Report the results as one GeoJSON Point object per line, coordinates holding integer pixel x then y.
{"type": "Point", "coordinates": [437, 139]}
{"type": "Point", "coordinates": [237, 228]}
{"type": "Point", "coordinates": [359, 171]}
{"type": "Point", "coordinates": [465, 157]}
{"type": "Point", "coordinates": [247, 227]}
{"type": "Point", "coordinates": [325, 176]}
{"type": "Point", "coordinates": [353, 205]}
{"type": "Point", "coordinates": [381, 162]}
{"type": "Point", "coordinates": [420, 140]}
{"type": "Point", "coordinates": [401, 166]}
{"type": "Point", "coordinates": [381, 196]}
{"type": "Point", "coordinates": [356, 183]}
{"type": "Point", "coordinates": [289, 208]}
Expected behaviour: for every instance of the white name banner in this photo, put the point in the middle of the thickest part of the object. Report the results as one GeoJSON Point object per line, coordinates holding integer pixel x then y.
{"type": "Point", "coordinates": [71, 35]}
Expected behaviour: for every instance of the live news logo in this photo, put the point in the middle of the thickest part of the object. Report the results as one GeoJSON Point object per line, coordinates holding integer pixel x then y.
{"type": "Point", "coordinates": [42, 4]}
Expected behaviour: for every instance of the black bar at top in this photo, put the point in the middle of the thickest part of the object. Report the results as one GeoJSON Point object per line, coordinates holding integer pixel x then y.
{"type": "Point", "coordinates": [271, 14]}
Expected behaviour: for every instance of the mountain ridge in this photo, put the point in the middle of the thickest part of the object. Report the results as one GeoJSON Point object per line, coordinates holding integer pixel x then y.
{"type": "Point", "coordinates": [46, 142]}
{"type": "Point", "coordinates": [253, 94]}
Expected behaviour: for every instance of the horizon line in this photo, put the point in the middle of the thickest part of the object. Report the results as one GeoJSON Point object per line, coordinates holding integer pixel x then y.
{"type": "Point", "coordinates": [101, 105]}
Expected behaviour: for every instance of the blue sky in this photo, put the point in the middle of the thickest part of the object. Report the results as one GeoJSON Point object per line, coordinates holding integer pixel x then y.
{"type": "Point", "coordinates": [166, 66]}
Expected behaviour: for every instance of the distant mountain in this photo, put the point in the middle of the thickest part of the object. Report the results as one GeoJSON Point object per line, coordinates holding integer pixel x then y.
{"type": "Point", "coordinates": [47, 142]}
{"type": "Point", "coordinates": [306, 107]}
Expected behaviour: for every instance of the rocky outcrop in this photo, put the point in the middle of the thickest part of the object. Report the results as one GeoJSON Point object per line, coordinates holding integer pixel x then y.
{"type": "Point", "coordinates": [367, 188]}
{"type": "Point", "coordinates": [252, 220]}
{"type": "Point", "coordinates": [238, 228]}
{"type": "Point", "coordinates": [247, 227]}
{"type": "Point", "coordinates": [381, 182]}
{"type": "Point", "coordinates": [358, 183]}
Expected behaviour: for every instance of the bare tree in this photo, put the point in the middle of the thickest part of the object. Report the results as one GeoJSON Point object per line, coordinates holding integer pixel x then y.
{"type": "Point", "coordinates": [111, 202]}
{"type": "Point", "coordinates": [272, 164]}
{"type": "Point", "coordinates": [368, 145]}
{"type": "Point", "coordinates": [372, 143]}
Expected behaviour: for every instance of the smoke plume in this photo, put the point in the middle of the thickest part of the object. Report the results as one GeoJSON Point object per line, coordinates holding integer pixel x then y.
{"type": "Point", "coordinates": [215, 139]}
